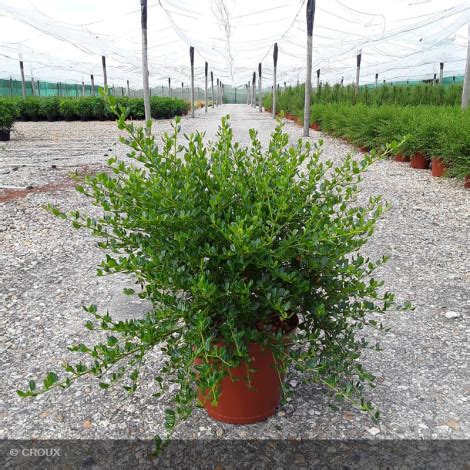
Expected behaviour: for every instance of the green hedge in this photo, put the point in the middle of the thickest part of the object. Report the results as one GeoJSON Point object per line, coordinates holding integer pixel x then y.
{"type": "Point", "coordinates": [89, 108]}
{"type": "Point", "coordinates": [422, 94]}
{"type": "Point", "coordinates": [442, 131]}
{"type": "Point", "coordinates": [435, 131]}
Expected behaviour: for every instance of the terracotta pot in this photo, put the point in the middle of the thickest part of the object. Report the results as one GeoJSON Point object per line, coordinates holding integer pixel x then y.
{"type": "Point", "coordinates": [401, 158]}
{"type": "Point", "coordinates": [314, 126]}
{"type": "Point", "coordinates": [239, 404]}
{"type": "Point", "coordinates": [419, 161]}
{"type": "Point", "coordinates": [4, 135]}
{"type": "Point", "coordinates": [364, 149]}
{"type": "Point", "coordinates": [467, 182]}
{"type": "Point", "coordinates": [438, 167]}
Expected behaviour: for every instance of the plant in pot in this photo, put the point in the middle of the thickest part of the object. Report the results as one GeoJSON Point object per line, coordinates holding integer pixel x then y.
{"type": "Point", "coordinates": [8, 115]}
{"type": "Point", "coordinates": [251, 261]}
{"type": "Point", "coordinates": [422, 136]}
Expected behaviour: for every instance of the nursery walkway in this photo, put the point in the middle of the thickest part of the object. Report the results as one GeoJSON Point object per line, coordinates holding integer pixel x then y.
{"type": "Point", "coordinates": [48, 272]}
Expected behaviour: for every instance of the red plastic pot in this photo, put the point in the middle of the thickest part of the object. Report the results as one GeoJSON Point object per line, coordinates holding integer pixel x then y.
{"type": "Point", "coordinates": [401, 158]}
{"type": "Point", "coordinates": [419, 161]}
{"type": "Point", "coordinates": [438, 166]}
{"type": "Point", "coordinates": [240, 404]}
{"type": "Point", "coordinates": [467, 182]}
{"type": "Point", "coordinates": [314, 126]}
{"type": "Point", "coordinates": [364, 149]}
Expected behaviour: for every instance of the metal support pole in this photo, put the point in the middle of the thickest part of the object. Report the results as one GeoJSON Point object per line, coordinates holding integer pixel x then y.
{"type": "Point", "coordinates": [275, 53]}
{"type": "Point", "coordinates": [105, 75]}
{"type": "Point", "coordinates": [260, 93]}
{"type": "Point", "coordinates": [23, 82]}
{"type": "Point", "coordinates": [206, 71]}
{"type": "Point", "coordinates": [358, 69]}
{"type": "Point", "coordinates": [191, 59]}
{"type": "Point", "coordinates": [212, 86]}
{"type": "Point", "coordinates": [310, 15]}
{"type": "Point", "coordinates": [466, 82]}
{"type": "Point", "coordinates": [92, 85]}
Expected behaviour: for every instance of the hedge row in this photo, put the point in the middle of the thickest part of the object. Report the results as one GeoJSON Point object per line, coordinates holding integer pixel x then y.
{"type": "Point", "coordinates": [436, 131]}
{"type": "Point", "coordinates": [89, 108]}
{"type": "Point", "coordinates": [422, 94]}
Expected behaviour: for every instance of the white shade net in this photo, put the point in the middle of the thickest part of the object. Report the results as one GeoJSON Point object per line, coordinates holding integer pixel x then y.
{"type": "Point", "coordinates": [399, 40]}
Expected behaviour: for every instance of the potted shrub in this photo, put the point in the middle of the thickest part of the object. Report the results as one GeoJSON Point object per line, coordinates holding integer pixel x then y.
{"type": "Point", "coordinates": [438, 166]}
{"type": "Point", "coordinates": [49, 108]}
{"type": "Point", "coordinates": [8, 115]}
{"type": "Point", "coordinates": [251, 261]}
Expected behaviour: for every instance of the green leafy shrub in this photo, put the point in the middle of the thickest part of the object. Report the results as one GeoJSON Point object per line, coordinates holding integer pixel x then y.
{"type": "Point", "coordinates": [434, 131]}
{"type": "Point", "coordinates": [8, 114]}
{"type": "Point", "coordinates": [69, 109]}
{"type": "Point", "coordinates": [49, 108]}
{"type": "Point", "coordinates": [224, 239]}
{"type": "Point", "coordinates": [91, 108]}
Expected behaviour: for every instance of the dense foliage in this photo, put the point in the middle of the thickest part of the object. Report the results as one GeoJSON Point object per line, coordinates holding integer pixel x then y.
{"type": "Point", "coordinates": [436, 131]}
{"type": "Point", "coordinates": [35, 108]}
{"type": "Point", "coordinates": [227, 242]}
{"type": "Point", "coordinates": [404, 95]}
{"type": "Point", "coordinates": [8, 115]}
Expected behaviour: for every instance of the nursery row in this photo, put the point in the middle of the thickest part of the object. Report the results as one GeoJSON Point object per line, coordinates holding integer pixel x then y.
{"type": "Point", "coordinates": [428, 130]}
{"type": "Point", "coordinates": [405, 95]}
{"type": "Point", "coordinates": [86, 108]}
{"type": "Point", "coordinates": [431, 131]}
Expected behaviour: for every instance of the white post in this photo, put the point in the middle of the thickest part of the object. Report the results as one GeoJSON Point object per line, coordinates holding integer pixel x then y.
{"type": "Point", "coordinates": [23, 81]}
{"type": "Point", "coordinates": [466, 82]}
{"type": "Point", "coordinates": [206, 72]}
{"type": "Point", "coordinates": [260, 93]}
{"type": "Point", "coordinates": [358, 69]}
{"type": "Point", "coordinates": [441, 72]}
{"type": "Point", "coordinates": [310, 14]}
{"type": "Point", "coordinates": [103, 62]}
{"type": "Point", "coordinates": [92, 85]}
{"type": "Point", "coordinates": [212, 87]}
{"type": "Point", "coordinates": [275, 52]}
{"type": "Point", "coordinates": [191, 59]}
{"type": "Point", "coordinates": [145, 66]}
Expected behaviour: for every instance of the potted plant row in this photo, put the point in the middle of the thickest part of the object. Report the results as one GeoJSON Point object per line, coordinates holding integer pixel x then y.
{"type": "Point", "coordinates": [251, 261]}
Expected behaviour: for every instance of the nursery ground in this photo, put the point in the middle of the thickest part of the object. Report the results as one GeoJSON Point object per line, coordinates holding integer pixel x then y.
{"type": "Point", "coordinates": [48, 273]}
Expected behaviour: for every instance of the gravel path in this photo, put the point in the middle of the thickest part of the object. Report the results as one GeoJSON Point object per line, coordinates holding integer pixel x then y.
{"type": "Point", "coordinates": [48, 272]}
